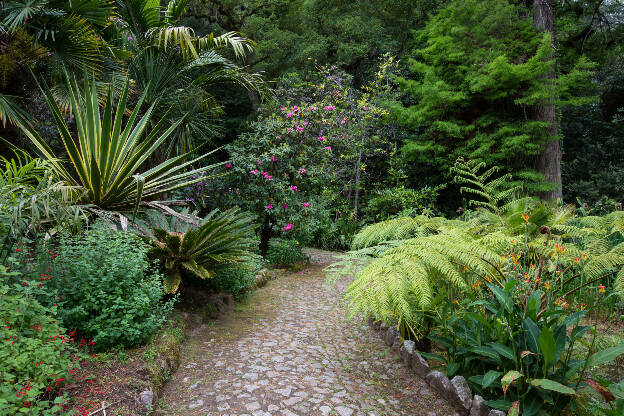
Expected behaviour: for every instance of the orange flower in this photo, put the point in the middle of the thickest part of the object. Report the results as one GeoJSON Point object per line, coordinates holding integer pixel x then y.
{"type": "Point", "coordinates": [455, 301]}
{"type": "Point", "coordinates": [525, 217]}
{"type": "Point", "coordinates": [584, 256]}
{"type": "Point", "coordinates": [547, 286]}
{"type": "Point", "coordinates": [602, 289]}
{"type": "Point", "coordinates": [576, 259]}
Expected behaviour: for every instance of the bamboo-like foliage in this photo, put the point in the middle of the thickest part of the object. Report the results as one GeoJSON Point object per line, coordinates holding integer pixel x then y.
{"type": "Point", "coordinates": [221, 238]}
{"type": "Point", "coordinates": [107, 156]}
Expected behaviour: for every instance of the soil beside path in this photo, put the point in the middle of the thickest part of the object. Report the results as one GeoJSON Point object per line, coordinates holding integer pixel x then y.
{"type": "Point", "coordinates": [290, 350]}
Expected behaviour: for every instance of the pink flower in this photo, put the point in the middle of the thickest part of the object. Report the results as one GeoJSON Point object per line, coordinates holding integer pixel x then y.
{"type": "Point", "coordinates": [259, 162]}
{"type": "Point", "coordinates": [228, 165]}
{"type": "Point", "coordinates": [270, 177]}
{"type": "Point", "coordinates": [344, 120]}
{"type": "Point", "coordinates": [290, 114]}
{"type": "Point", "coordinates": [288, 227]}
{"type": "Point", "coordinates": [299, 129]}
{"type": "Point", "coordinates": [263, 173]}
{"type": "Point", "coordinates": [293, 188]}
{"type": "Point", "coordinates": [283, 108]}
{"type": "Point", "coordinates": [329, 108]}
{"type": "Point", "coordinates": [289, 130]}
{"type": "Point", "coordinates": [295, 108]}
{"type": "Point", "coordinates": [306, 204]}
{"type": "Point", "coordinates": [269, 206]}
{"type": "Point", "coordinates": [273, 159]}
{"type": "Point", "coordinates": [302, 171]}
{"type": "Point", "coordinates": [253, 172]}
{"type": "Point", "coordinates": [305, 123]}
{"type": "Point", "coordinates": [321, 139]}
{"type": "Point", "coordinates": [313, 108]}
{"type": "Point", "coordinates": [284, 206]}
{"type": "Point", "coordinates": [327, 147]}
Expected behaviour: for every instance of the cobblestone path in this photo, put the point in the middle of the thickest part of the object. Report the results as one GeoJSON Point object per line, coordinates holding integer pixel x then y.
{"type": "Point", "coordinates": [290, 350]}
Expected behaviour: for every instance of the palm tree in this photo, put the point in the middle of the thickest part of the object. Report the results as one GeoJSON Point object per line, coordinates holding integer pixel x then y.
{"type": "Point", "coordinates": [178, 68]}
{"type": "Point", "coordinates": [70, 31]}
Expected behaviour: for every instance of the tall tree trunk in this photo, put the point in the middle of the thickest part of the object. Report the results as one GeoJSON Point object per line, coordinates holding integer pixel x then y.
{"type": "Point", "coordinates": [548, 161]}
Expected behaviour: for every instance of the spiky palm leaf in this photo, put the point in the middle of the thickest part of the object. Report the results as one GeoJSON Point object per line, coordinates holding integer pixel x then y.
{"type": "Point", "coordinates": [11, 111]}
{"type": "Point", "coordinates": [106, 157]}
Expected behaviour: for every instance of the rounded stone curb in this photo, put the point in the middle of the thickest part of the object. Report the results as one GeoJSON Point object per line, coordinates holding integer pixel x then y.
{"type": "Point", "coordinates": [456, 391]}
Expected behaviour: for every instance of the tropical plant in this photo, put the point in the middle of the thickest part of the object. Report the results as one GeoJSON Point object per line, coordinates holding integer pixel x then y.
{"type": "Point", "coordinates": [517, 352]}
{"type": "Point", "coordinates": [106, 157]}
{"type": "Point", "coordinates": [179, 69]}
{"type": "Point", "coordinates": [69, 30]}
{"type": "Point", "coordinates": [219, 239]}
{"type": "Point", "coordinates": [416, 263]}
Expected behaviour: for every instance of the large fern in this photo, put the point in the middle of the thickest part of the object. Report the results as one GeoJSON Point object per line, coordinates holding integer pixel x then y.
{"type": "Point", "coordinates": [404, 265]}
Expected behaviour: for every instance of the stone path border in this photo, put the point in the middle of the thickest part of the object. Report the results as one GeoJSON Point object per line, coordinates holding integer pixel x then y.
{"type": "Point", "coordinates": [455, 390]}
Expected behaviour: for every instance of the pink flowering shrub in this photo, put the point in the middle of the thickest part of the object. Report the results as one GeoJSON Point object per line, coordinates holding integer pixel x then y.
{"type": "Point", "coordinates": [309, 156]}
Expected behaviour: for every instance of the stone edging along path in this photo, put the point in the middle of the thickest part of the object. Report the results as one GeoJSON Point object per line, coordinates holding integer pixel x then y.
{"type": "Point", "coordinates": [455, 390]}
{"type": "Point", "coordinates": [291, 350]}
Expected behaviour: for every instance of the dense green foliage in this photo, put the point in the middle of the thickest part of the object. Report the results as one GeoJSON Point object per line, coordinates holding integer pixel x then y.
{"type": "Point", "coordinates": [518, 263]}
{"type": "Point", "coordinates": [107, 290]}
{"type": "Point", "coordinates": [236, 280]}
{"type": "Point", "coordinates": [519, 351]}
{"type": "Point", "coordinates": [206, 131]}
{"type": "Point", "coordinates": [285, 253]}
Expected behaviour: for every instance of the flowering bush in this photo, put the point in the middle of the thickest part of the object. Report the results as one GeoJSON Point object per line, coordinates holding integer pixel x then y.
{"type": "Point", "coordinates": [107, 290]}
{"type": "Point", "coordinates": [518, 352]}
{"type": "Point", "coordinates": [37, 356]}
{"type": "Point", "coordinates": [307, 161]}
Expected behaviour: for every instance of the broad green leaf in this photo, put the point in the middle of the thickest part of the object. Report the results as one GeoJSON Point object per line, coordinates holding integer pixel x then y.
{"type": "Point", "coordinates": [489, 378]}
{"type": "Point", "coordinates": [606, 356]}
{"type": "Point", "coordinates": [532, 333]}
{"type": "Point", "coordinates": [548, 347]}
{"type": "Point", "coordinates": [487, 352]}
{"type": "Point", "coordinates": [503, 350]}
{"type": "Point", "coordinates": [502, 297]}
{"type": "Point", "coordinates": [552, 385]}
{"type": "Point", "coordinates": [509, 378]}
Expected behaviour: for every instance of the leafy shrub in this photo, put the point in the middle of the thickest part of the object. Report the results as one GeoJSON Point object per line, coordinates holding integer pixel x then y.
{"type": "Point", "coordinates": [34, 352]}
{"type": "Point", "coordinates": [390, 202]}
{"type": "Point", "coordinates": [285, 253]}
{"type": "Point", "coordinates": [107, 290]}
{"type": "Point", "coordinates": [236, 280]}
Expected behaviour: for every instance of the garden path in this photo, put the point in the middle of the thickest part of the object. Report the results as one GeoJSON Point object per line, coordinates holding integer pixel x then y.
{"type": "Point", "coordinates": [290, 350]}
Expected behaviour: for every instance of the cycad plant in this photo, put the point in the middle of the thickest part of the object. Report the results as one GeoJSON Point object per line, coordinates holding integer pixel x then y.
{"type": "Point", "coordinates": [108, 155]}
{"type": "Point", "coordinates": [221, 238]}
